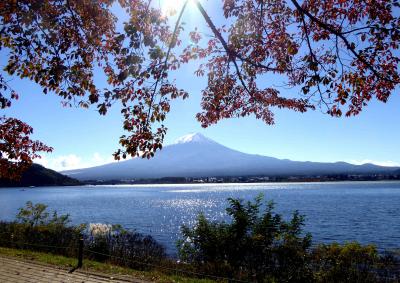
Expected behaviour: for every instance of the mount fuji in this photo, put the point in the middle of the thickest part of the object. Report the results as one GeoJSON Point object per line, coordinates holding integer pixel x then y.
{"type": "Point", "coordinates": [195, 155]}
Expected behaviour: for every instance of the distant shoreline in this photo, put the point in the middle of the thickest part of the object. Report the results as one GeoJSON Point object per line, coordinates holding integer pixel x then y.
{"type": "Point", "coordinates": [207, 183]}
{"type": "Point", "coordinates": [247, 179]}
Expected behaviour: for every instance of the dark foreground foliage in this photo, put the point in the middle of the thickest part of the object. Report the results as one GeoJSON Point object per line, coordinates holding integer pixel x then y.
{"type": "Point", "coordinates": [127, 248]}
{"type": "Point", "coordinates": [38, 230]}
{"type": "Point", "coordinates": [353, 262]}
{"type": "Point", "coordinates": [257, 245]}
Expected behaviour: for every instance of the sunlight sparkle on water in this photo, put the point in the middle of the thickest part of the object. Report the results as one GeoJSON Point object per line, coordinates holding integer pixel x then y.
{"type": "Point", "coordinates": [209, 188]}
{"type": "Point", "coordinates": [189, 204]}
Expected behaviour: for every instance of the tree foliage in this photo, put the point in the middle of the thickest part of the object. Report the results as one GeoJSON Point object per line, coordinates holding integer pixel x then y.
{"type": "Point", "coordinates": [16, 148]}
{"type": "Point", "coordinates": [335, 55]}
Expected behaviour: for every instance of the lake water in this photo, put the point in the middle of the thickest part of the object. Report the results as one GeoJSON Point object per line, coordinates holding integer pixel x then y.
{"type": "Point", "coordinates": [368, 212]}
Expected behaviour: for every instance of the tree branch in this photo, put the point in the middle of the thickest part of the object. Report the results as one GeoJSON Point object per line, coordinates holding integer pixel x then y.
{"type": "Point", "coordinates": [342, 37]}
{"type": "Point", "coordinates": [231, 53]}
{"type": "Point", "coordinates": [164, 67]}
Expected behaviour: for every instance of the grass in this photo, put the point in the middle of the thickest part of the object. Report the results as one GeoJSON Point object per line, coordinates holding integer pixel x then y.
{"type": "Point", "coordinates": [99, 267]}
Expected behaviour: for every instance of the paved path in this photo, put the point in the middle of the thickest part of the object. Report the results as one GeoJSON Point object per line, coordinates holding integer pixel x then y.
{"type": "Point", "coordinates": [17, 271]}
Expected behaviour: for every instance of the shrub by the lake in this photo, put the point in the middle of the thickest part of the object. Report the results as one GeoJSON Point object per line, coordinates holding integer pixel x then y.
{"type": "Point", "coordinates": [126, 247]}
{"type": "Point", "coordinates": [258, 245]}
{"type": "Point", "coordinates": [253, 246]}
{"type": "Point", "coordinates": [351, 262]}
{"type": "Point", "coordinates": [37, 229]}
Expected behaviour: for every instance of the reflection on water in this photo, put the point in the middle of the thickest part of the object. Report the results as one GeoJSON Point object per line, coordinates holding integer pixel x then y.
{"type": "Point", "coordinates": [366, 211]}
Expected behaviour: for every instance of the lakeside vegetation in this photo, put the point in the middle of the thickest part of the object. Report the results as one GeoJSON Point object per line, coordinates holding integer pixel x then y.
{"type": "Point", "coordinates": [257, 245]}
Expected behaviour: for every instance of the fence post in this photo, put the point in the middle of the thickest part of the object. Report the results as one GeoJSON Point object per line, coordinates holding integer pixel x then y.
{"type": "Point", "coordinates": [80, 253]}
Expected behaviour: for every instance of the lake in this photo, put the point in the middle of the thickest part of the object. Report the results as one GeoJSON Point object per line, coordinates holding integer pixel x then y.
{"type": "Point", "coordinates": [368, 212]}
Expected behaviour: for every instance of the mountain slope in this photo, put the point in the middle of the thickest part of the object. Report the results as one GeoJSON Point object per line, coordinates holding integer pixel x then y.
{"type": "Point", "coordinates": [38, 175]}
{"type": "Point", "coordinates": [197, 156]}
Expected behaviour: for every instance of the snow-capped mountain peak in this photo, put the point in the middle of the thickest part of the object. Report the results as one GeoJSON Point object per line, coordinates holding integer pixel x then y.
{"type": "Point", "coordinates": [194, 155]}
{"type": "Point", "coordinates": [193, 137]}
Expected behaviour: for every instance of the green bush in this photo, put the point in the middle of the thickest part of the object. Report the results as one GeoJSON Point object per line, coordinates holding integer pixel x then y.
{"type": "Point", "coordinates": [350, 262]}
{"type": "Point", "coordinates": [254, 245]}
{"type": "Point", "coordinates": [258, 245]}
{"type": "Point", "coordinates": [37, 229]}
{"type": "Point", "coordinates": [45, 238]}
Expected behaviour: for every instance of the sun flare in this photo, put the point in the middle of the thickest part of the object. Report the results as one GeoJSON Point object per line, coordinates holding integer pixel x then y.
{"type": "Point", "coordinates": [171, 7]}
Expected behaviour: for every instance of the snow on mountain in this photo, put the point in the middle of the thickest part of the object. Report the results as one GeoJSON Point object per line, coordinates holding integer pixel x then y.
{"type": "Point", "coordinates": [195, 155]}
{"type": "Point", "coordinates": [194, 137]}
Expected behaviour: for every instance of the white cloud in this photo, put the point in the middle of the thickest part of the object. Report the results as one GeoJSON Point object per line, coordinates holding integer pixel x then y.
{"type": "Point", "coordinates": [388, 163]}
{"type": "Point", "coordinates": [68, 161]}
{"type": "Point", "coordinates": [98, 159]}
{"type": "Point", "coordinates": [73, 161]}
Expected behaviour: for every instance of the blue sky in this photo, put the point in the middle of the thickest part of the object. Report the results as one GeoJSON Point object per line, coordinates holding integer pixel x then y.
{"type": "Point", "coordinates": [83, 138]}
